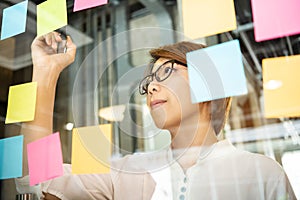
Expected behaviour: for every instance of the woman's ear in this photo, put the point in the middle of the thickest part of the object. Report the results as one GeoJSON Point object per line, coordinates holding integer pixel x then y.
{"type": "Point", "coordinates": [205, 110]}
{"type": "Point", "coordinates": [219, 113]}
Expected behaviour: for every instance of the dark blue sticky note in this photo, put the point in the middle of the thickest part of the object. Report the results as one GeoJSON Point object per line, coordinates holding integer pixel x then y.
{"type": "Point", "coordinates": [11, 152]}
{"type": "Point", "coordinates": [14, 20]}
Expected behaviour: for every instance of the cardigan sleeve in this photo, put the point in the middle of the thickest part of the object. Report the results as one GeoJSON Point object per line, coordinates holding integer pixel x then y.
{"type": "Point", "coordinates": [72, 187]}
{"type": "Point", "coordinates": [281, 189]}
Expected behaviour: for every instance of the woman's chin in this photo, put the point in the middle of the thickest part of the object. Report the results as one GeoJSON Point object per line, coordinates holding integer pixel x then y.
{"type": "Point", "coordinates": [159, 118]}
{"type": "Point", "coordinates": [160, 123]}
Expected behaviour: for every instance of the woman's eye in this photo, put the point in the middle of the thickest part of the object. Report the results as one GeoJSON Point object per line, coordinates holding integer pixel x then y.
{"type": "Point", "coordinates": [167, 70]}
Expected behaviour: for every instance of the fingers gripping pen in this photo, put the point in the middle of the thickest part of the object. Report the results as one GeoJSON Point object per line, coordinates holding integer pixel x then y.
{"type": "Point", "coordinates": [62, 46]}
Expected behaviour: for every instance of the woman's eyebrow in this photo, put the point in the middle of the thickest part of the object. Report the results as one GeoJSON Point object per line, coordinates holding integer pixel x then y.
{"type": "Point", "coordinates": [177, 65]}
{"type": "Point", "coordinates": [154, 68]}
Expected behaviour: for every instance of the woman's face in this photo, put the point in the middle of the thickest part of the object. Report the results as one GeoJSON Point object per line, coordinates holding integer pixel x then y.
{"type": "Point", "coordinates": [169, 101]}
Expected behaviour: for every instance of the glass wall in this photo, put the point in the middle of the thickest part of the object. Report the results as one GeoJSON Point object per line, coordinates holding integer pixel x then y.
{"type": "Point", "coordinates": [101, 86]}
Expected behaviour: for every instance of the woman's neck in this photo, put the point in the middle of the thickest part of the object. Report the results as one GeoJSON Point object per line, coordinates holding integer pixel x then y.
{"type": "Point", "coordinates": [191, 133]}
{"type": "Point", "coordinates": [188, 142]}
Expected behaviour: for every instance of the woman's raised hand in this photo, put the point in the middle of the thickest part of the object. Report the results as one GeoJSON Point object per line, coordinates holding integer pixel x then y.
{"type": "Point", "coordinates": [45, 57]}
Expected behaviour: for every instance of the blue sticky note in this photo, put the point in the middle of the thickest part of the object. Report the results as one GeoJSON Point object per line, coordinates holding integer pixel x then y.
{"type": "Point", "coordinates": [216, 72]}
{"type": "Point", "coordinates": [11, 154]}
{"type": "Point", "coordinates": [14, 20]}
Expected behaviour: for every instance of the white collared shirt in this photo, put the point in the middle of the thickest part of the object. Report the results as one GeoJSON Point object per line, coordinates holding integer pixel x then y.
{"type": "Point", "coordinates": [223, 172]}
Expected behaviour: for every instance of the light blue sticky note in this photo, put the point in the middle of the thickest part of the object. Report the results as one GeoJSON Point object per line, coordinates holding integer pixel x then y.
{"type": "Point", "coordinates": [216, 72]}
{"type": "Point", "coordinates": [11, 152]}
{"type": "Point", "coordinates": [14, 20]}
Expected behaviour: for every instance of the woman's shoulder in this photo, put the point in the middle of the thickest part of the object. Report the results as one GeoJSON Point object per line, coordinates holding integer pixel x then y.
{"type": "Point", "coordinates": [258, 161]}
{"type": "Point", "coordinates": [141, 162]}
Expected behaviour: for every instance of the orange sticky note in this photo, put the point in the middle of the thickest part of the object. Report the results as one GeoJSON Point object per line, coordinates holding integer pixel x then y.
{"type": "Point", "coordinates": [281, 85]}
{"type": "Point", "coordinates": [203, 18]}
{"type": "Point", "coordinates": [91, 149]}
{"type": "Point", "coordinates": [21, 103]}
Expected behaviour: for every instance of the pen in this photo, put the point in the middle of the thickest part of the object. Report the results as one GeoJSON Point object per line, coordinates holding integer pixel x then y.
{"type": "Point", "coordinates": [62, 46]}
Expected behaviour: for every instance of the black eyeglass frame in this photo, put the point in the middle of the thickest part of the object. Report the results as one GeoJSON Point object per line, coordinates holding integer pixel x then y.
{"type": "Point", "coordinates": [144, 89]}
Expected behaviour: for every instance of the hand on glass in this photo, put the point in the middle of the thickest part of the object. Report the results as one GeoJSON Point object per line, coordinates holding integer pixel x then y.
{"type": "Point", "coordinates": [45, 56]}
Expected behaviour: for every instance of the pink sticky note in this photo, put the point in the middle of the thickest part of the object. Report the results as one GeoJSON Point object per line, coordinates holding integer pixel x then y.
{"type": "Point", "coordinates": [275, 18]}
{"type": "Point", "coordinates": [85, 4]}
{"type": "Point", "coordinates": [45, 159]}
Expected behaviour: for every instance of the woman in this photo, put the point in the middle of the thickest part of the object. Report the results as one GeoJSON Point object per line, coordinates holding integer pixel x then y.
{"type": "Point", "coordinates": [197, 166]}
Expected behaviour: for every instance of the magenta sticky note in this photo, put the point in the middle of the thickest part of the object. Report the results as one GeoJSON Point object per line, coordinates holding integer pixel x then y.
{"type": "Point", "coordinates": [85, 4]}
{"type": "Point", "coordinates": [275, 18]}
{"type": "Point", "coordinates": [45, 159]}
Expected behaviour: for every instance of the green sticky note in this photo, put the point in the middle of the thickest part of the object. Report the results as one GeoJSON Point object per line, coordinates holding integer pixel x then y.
{"type": "Point", "coordinates": [21, 103]}
{"type": "Point", "coordinates": [51, 15]}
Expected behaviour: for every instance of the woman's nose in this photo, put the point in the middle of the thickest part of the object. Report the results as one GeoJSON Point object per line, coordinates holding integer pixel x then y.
{"type": "Point", "coordinates": [153, 87]}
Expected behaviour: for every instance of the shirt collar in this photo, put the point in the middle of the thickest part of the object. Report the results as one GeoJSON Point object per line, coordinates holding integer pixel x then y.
{"type": "Point", "coordinates": [218, 149]}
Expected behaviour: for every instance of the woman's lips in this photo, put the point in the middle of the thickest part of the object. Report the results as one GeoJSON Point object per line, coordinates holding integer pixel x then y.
{"type": "Point", "coordinates": [157, 103]}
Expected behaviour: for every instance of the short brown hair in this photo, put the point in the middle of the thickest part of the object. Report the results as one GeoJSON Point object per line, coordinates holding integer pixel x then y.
{"type": "Point", "coordinates": [220, 107]}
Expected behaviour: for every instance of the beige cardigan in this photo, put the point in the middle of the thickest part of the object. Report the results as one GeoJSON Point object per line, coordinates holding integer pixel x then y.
{"type": "Point", "coordinates": [129, 179]}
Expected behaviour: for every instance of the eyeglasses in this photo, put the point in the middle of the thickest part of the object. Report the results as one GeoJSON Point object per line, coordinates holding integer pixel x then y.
{"type": "Point", "coordinates": [162, 73]}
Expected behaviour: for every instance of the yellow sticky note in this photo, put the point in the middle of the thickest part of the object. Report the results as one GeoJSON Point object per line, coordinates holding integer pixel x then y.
{"type": "Point", "coordinates": [51, 15]}
{"type": "Point", "coordinates": [91, 149]}
{"type": "Point", "coordinates": [203, 18]}
{"type": "Point", "coordinates": [21, 103]}
{"type": "Point", "coordinates": [281, 85]}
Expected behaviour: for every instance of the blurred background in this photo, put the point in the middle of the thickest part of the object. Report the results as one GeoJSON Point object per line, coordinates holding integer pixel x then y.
{"type": "Point", "coordinates": [85, 98]}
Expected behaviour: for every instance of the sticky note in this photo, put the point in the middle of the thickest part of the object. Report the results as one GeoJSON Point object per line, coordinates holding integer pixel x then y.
{"type": "Point", "coordinates": [216, 72]}
{"type": "Point", "coordinates": [275, 18]}
{"type": "Point", "coordinates": [11, 152]}
{"type": "Point", "coordinates": [51, 15]}
{"type": "Point", "coordinates": [281, 85]}
{"type": "Point", "coordinates": [91, 149]}
{"type": "Point", "coordinates": [44, 159]}
{"type": "Point", "coordinates": [21, 103]}
{"type": "Point", "coordinates": [85, 4]}
{"type": "Point", "coordinates": [203, 18]}
{"type": "Point", "coordinates": [14, 20]}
